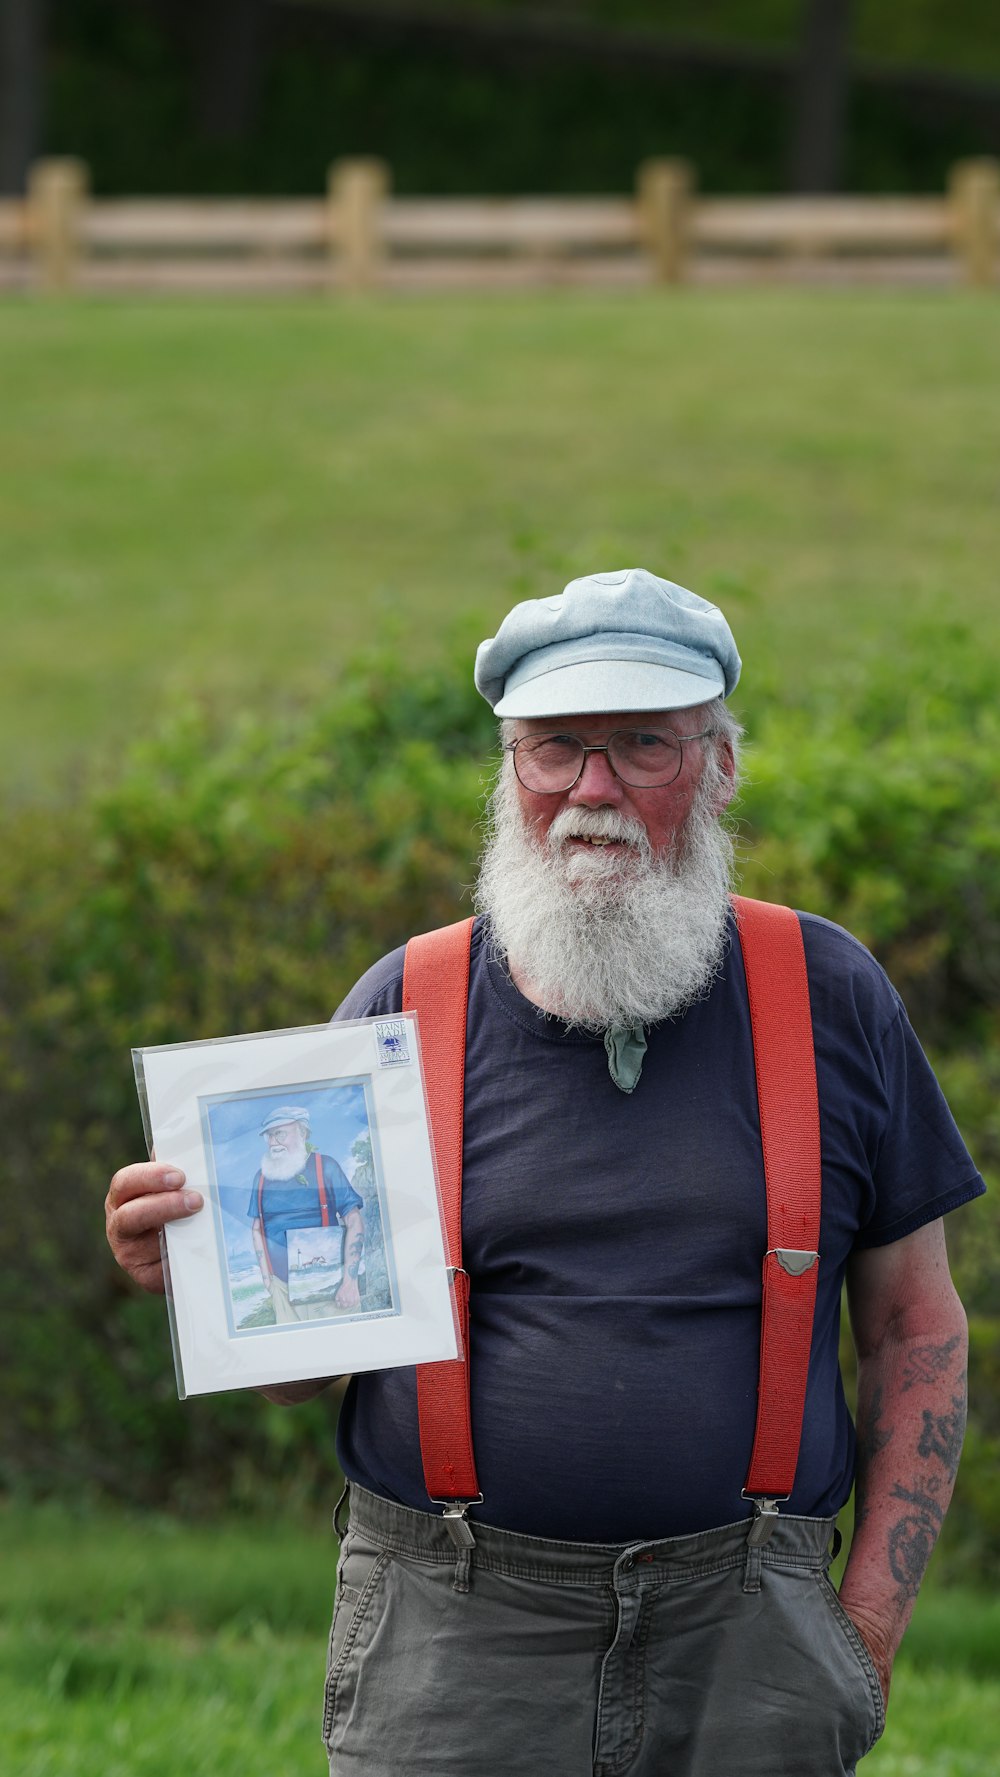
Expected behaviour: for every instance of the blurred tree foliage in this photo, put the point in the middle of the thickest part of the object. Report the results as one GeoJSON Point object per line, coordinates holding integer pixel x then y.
{"type": "Point", "coordinates": [242, 877]}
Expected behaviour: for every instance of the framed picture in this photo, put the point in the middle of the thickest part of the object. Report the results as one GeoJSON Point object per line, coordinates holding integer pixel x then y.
{"type": "Point", "coordinates": [321, 1248]}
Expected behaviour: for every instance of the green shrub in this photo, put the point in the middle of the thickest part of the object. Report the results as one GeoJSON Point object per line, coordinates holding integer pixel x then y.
{"type": "Point", "coordinates": [875, 804]}
{"type": "Point", "coordinates": [233, 878]}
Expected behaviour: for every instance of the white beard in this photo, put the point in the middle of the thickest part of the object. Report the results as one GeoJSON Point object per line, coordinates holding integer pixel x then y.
{"type": "Point", "coordinates": [605, 938]}
{"type": "Point", "coordinates": [287, 1165]}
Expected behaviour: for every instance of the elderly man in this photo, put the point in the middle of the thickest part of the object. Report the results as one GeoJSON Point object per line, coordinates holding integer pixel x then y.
{"type": "Point", "coordinates": [297, 1188]}
{"type": "Point", "coordinates": [627, 1597]}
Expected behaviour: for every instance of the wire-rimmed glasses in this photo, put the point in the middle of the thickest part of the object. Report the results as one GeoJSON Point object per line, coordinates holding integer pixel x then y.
{"type": "Point", "coordinates": [550, 764]}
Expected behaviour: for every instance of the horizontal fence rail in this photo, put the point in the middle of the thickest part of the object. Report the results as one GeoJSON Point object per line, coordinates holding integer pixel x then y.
{"type": "Point", "coordinates": [362, 238]}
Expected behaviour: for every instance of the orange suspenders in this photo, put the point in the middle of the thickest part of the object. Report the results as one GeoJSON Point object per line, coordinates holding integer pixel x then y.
{"type": "Point", "coordinates": [778, 992]}
{"type": "Point", "coordinates": [435, 985]}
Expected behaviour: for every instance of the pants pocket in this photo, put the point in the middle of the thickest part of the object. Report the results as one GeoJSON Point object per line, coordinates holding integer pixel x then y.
{"type": "Point", "coordinates": [359, 1573]}
{"type": "Point", "coordinates": [864, 1663]}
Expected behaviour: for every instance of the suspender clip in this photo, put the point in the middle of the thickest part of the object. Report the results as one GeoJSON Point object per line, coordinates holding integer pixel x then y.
{"type": "Point", "coordinates": [460, 1531]}
{"type": "Point", "coordinates": [458, 1526]}
{"type": "Point", "coordinates": [765, 1517]}
{"type": "Point", "coordinates": [455, 1521]}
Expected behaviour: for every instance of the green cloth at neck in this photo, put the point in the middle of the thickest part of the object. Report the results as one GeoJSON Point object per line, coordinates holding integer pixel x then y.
{"type": "Point", "coordinates": [626, 1046]}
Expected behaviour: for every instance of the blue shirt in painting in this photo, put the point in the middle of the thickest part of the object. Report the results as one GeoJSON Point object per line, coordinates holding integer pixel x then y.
{"type": "Point", "coordinates": [296, 1203]}
{"type": "Point", "coordinates": [614, 1246]}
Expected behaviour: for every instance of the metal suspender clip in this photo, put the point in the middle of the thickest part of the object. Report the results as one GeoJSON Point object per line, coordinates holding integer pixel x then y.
{"type": "Point", "coordinates": [456, 1523]}
{"type": "Point", "coordinates": [795, 1262]}
{"type": "Point", "coordinates": [765, 1517]}
{"type": "Point", "coordinates": [460, 1531]}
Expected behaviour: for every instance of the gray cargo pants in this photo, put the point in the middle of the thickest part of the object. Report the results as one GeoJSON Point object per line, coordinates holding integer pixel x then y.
{"type": "Point", "coordinates": [693, 1657]}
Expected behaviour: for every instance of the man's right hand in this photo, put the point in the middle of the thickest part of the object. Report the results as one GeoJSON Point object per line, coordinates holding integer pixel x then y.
{"type": "Point", "coordinates": [140, 1201]}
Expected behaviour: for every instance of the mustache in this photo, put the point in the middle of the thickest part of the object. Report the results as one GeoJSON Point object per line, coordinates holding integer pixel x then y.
{"type": "Point", "coordinates": [597, 823]}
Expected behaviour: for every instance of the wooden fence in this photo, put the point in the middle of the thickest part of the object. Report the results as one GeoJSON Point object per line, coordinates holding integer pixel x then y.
{"type": "Point", "coordinates": [361, 238]}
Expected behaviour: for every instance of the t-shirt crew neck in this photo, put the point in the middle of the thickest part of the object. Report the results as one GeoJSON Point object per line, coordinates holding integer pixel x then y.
{"type": "Point", "coordinates": [515, 1005]}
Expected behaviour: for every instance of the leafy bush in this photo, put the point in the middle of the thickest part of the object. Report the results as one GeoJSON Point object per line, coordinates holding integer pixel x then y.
{"type": "Point", "coordinates": [875, 805]}
{"type": "Point", "coordinates": [232, 879]}
{"type": "Point", "coordinates": [243, 877]}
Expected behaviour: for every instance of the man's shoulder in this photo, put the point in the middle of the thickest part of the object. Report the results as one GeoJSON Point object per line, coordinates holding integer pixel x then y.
{"type": "Point", "coordinates": [379, 991]}
{"type": "Point", "coordinates": [328, 1162]}
{"type": "Point", "coordinates": [333, 1174]}
{"type": "Point", "coordinates": [830, 946]}
{"type": "Point", "coordinates": [844, 974]}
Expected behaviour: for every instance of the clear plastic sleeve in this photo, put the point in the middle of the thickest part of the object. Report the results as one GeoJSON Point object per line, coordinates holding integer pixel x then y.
{"type": "Point", "coordinates": [321, 1247]}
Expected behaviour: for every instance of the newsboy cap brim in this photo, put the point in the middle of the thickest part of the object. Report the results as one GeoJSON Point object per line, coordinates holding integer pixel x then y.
{"type": "Point", "coordinates": [618, 682]}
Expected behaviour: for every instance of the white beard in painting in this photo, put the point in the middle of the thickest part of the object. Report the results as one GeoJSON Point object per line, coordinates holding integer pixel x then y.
{"type": "Point", "coordinates": [284, 1160]}
{"type": "Point", "coordinates": [607, 938]}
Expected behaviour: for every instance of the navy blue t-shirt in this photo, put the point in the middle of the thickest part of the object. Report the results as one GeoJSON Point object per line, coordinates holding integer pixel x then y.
{"type": "Point", "coordinates": [614, 1246]}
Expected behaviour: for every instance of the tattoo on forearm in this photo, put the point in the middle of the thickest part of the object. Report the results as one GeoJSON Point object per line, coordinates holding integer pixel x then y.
{"type": "Point", "coordinates": [873, 1436]}
{"type": "Point", "coordinates": [357, 1249]}
{"type": "Point", "coordinates": [927, 1362]}
{"type": "Point", "coordinates": [912, 1537]}
{"type": "Point", "coordinates": [943, 1434]}
{"type": "Point", "coordinates": [911, 1541]}
{"type": "Point", "coordinates": [921, 1497]}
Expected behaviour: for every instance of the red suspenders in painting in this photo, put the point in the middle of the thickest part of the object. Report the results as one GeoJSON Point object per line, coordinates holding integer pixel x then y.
{"type": "Point", "coordinates": [435, 985]}
{"type": "Point", "coordinates": [323, 1210]}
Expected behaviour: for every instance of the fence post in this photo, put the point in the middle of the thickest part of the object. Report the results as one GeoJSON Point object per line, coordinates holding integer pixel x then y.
{"type": "Point", "coordinates": [974, 191]}
{"type": "Point", "coordinates": [57, 194]}
{"type": "Point", "coordinates": [357, 190]}
{"type": "Point", "coordinates": [664, 196]}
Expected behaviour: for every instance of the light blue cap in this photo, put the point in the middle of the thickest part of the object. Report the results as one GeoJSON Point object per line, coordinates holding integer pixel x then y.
{"type": "Point", "coordinates": [285, 1113]}
{"type": "Point", "coordinates": [619, 641]}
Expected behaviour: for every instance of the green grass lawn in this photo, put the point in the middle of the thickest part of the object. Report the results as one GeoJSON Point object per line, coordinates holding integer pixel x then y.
{"type": "Point", "coordinates": [229, 498]}
{"type": "Point", "coordinates": [134, 1647]}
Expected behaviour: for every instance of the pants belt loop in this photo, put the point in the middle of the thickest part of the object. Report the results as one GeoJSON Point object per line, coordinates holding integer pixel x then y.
{"type": "Point", "coordinates": [751, 1568]}
{"type": "Point", "coordinates": [463, 1567]}
{"type": "Point", "coordinates": [339, 1527]}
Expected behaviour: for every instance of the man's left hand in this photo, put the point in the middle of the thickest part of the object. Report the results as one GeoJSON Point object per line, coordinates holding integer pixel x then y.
{"type": "Point", "coordinates": [878, 1645]}
{"type": "Point", "coordinates": [348, 1295]}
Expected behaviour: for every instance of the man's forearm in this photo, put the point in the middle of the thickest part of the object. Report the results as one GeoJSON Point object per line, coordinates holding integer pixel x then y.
{"type": "Point", "coordinates": [260, 1251]}
{"type": "Point", "coordinates": [354, 1242]}
{"type": "Point", "coordinates": [911, 1421]}
{"type": "Point", "coordinates": [349, 1294]}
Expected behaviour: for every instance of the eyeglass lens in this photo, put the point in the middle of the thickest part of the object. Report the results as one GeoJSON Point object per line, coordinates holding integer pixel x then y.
{"type": "Point", "coordinates": [550, 762]}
